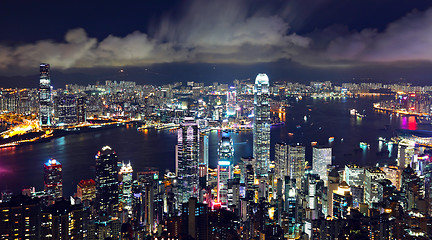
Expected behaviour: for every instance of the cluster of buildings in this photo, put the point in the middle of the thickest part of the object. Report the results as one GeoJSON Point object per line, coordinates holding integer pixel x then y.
{"type": "Point", "coordinates": [253, 197]}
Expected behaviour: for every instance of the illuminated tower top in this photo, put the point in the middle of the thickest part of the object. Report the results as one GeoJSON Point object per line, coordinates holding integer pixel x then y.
{"type": "Point", "coordinates": [262, 79]}
{"type": "Point", "coordinates": [53, 178]}
{"type": "Point", "coordinates": [45, 78]}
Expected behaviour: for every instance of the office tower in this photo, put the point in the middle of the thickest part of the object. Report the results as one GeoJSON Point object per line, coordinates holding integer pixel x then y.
{"type": "Point", "coordinates": [332, 185]}
{"type": "Point", "coordinates": [62, 221]}
{"type": "Point", "coordinates": [410, 188]}
{"type": "Point", "coordinates": [428, 186]}
{"type": "Point", "coordinates": [393, 174]}
{"type": "Point", "coordinates": [187, 159]}
{"type": "Point", "coordinates": [234, 195]}
{"type": "Point", "coordinates": [53, 180]}
{"type": "Point", "coordinates": [261, 125]}
{"type": "Point", "coordinates": [225, 154]}
{"type": "Point", "coordinates": [247, 177]}
{"type": "Point", "coordinates": [372, 175]}
{"type": "Point", "coordinates": [223, 174]}
{"type": "Point", "coordinates": [195, 219]}
{"type": "Point", "coordinates": [281, 157]}
{"type": "Point", "coordinates": [20, 218]}
{"type": "Point", "coordinates": [342, 201]}
{"type": "Point", "coordinates": [106, 182]}
{"type": "Point", "coordinates": [147, 181]}
{"type": "Point", "coordinates": [65, 109]}
{"type": "Point", "coordinates": [203, 160]}
{"type": "Point", "coordinates": [45, 95]}
{"type": "Point", "coordinates": [406, 151]}
{"type": "Point", "coordinates": [291, 207]}
{"type": "Point", "coordinates": [231, 104]}
{"type": "Point", "coordinates": [86, 190]}
{"type": "Point", "coordinates": [81, 109]}
{"type": "Point", "coordinates": [125, 188]}
{"type": "Point", "coordinates": [321, 158]}
{"type": "Point", "coordinates": [296, 160]}
{"type": "Point", "coordinates": [354, 175]}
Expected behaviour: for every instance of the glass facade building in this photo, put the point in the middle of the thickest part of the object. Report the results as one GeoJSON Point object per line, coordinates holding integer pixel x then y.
{"type": "Point", "coordinates": [261, 125]}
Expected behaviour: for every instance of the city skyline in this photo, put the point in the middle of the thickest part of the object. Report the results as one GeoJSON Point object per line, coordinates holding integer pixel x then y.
{"type": "Point", "coordinates": [241, 119]}
{"type": "Point", "coordinates": [325, 40]}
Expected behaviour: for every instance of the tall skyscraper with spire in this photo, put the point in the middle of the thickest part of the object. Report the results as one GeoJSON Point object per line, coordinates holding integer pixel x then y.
{"type": "Point", "coordinates": [261, 125]}
{"type": "Point", "coordinates": [45, 95]}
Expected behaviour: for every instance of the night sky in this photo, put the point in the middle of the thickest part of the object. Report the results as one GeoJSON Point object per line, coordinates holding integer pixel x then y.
{"type": "Point", "coordinates": [162, 41]}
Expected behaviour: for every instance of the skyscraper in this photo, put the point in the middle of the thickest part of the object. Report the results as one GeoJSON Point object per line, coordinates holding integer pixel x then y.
{"type": "Point", "coordinates": [261, 126]}
{"type": "Point", "coordinates": [45, 95]}
{"type": "Point", "coordinates": [187, 159]}
{"type": "Point", "coordinates": [65, 109]}
{"type": "Point", "coordinates": [125, 187]}
{"type": "Point", "coordinates": [81, 109]}
{"type": "Point", "coordinates": [281, 153]}
{"type": "Point", "coordinates": [53, 179]}
{"type": "Point", "coordinates": [321, 158]}
{"type": "Point", "coordinates": [106, 181]}
{"type": "Point", "coordinates": [231, 104]}
{"type": "Point", "coordinates": [225, 152]}
{"type": "Point", "coordinates": [296, 160]}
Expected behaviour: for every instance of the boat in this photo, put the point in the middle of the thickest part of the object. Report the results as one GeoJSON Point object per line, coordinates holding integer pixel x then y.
{"type": "Point", "coordinates": [331, 139]}
{"type": "Point", "coordinates": [290, 134]}
{"type": "Point", "coordinates": [354, 112]}
{"type": "Point", "coordinates": [364, 145]}
{"type": "Point", "coordinates": [314, 143]}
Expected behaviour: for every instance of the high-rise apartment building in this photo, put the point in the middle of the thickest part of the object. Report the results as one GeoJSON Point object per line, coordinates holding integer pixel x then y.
{"type": "Point", "coordinates": [261, 125]}
{"type": "Point", "coordinates": [45, 111]}
{"type": "Point", "coordinates": [106, 181]}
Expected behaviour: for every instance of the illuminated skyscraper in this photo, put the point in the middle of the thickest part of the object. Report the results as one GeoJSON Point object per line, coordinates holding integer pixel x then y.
{"type": "Point", "coordinates": [81, 109]}
{"type": "Point", "coordinates": [371, 194]}
{"type": "Point", "coordinates": [225, 152]}
{"type": "Point", "coordinates": [86, 190]}
{"type": "Point", "coordinates": [125, 187]}
{"type": "Point", "coordinates": [321, 158]}
{"type": "Point", "coordinates": [187, 159]}
{"type": "Point", "coordinates": [65, 109]}
{"type": "Point", "coordinates": [354, 175]}
{"type": "Point", "coordinates": [281, 153]}
{"type": "Point", "coordinates": [231, 104]}
{"type": "Point", "coordinates": [106, 181]}
{"type": "Point", "coordinates": [53, 179]}
{"type": "Point", "coordinates": [261, 126]}
{"type": "Point", "coordinates": [296, 160]}
{"type": "Point", "coordinates": [45, 95]}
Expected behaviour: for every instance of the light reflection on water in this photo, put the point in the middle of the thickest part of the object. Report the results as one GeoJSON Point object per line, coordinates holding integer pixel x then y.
{"type": "Point", "coordinates": [23, 165]}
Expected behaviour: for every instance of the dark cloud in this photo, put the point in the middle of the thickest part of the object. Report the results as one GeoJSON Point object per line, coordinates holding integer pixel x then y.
{"type": "Point", "coordinates": [233, 32]}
